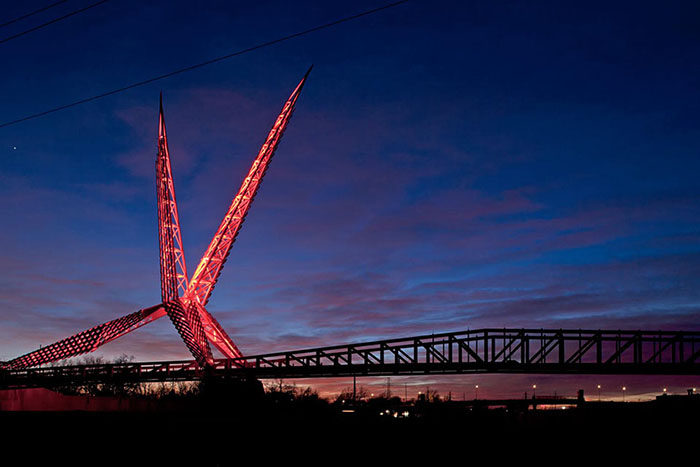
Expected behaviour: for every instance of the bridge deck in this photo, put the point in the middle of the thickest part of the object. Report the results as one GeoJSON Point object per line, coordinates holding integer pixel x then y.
{"type": "Point", "coordinates": [544, 351]}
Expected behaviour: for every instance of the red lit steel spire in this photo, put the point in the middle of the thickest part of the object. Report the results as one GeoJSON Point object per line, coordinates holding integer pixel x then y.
{"type": "Point", "coordinates": [173, 271]}
{"type": "Point", "coordinates": [89, 340]}
{"type": "Point", "coordinates": [209, 268]}
{"type": "Point", "coordinates": [216, 334]}
{"type": "Point", "coordinates": [183, 302]}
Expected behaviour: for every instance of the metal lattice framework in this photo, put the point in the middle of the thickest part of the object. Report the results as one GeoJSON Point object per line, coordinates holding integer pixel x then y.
{"type": "Point", "coordinates": [182, 300]}
{"type": "Point", "coordinates": [540, 351]}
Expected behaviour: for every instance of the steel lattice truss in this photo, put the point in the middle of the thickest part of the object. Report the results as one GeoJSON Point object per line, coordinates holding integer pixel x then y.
{"type": "Point", "coordinates": [521, 351]}
{"type": "Point", "coordinates": [182, 300]}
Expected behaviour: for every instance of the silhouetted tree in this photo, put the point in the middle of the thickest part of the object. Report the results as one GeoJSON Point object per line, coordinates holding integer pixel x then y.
{"type": "Point", "coordinates": [346, 396]}
{"type": "Point", "coordinates": [122, 384]}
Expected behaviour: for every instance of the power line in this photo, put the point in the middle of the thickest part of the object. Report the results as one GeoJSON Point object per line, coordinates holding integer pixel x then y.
{"type": "Point", "coordinates": [27, 15]}
{"type": "Point", "coordinates": [55, 20]}
{"type": "Point", "coordinates": [202, 64]}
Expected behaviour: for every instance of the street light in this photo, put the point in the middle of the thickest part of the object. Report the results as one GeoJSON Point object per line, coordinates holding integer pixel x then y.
{"type": "Point", "coordinates": [476, 392]}
{"type": "Point", "coordinates": [534, 390]}
{"type": "Point", "coordinates": [599, 393]}
{"type": "Point", "coordinates": [624, 388]}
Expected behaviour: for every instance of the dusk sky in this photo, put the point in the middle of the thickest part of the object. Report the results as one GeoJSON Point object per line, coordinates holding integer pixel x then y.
{"type": "Point", "coordinates": [449, 166]}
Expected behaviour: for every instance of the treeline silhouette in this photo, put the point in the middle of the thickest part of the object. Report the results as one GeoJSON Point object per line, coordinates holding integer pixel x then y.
{"type": "Point", "coordinates": [252, 398]}
{"type": "Point", "coordinates": [277, 417]}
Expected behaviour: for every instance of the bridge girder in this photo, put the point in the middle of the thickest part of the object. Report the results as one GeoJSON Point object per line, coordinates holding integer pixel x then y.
{"type": "Point", "coordinates": [603, 352]}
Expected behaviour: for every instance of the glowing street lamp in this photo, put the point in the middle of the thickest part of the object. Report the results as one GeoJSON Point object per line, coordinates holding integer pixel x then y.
{"type": "Point", "coordinates": [534, 389]}
{"type": "Point", "coordinates": [599, 393]}
{"type": "Point", "coordinates": [624, 388]}
{"type": "Point", "coordinates": [476, 392]}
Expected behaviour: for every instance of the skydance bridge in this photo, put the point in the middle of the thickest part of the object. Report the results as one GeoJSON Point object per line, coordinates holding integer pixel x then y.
{"type": "Point", "coordinates": [184, 299]}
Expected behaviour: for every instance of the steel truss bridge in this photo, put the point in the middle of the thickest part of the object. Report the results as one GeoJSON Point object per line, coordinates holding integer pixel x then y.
{"type": "Point", "coordinates": [543, 351]}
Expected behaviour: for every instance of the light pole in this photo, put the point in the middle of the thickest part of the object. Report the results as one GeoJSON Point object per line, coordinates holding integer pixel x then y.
{"type": "Point", "coordinates": [476, 392]}
{"type": "Point", "coordinates": [534, 390]}
{"type": "Point", "coordinates": [599, 393]}
{"type": "Point", "coordinates": [624, 388]}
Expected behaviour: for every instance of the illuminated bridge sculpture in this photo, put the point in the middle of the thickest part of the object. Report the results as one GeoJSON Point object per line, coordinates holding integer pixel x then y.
{"type": "Point", "coordinates": [183, 299]}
